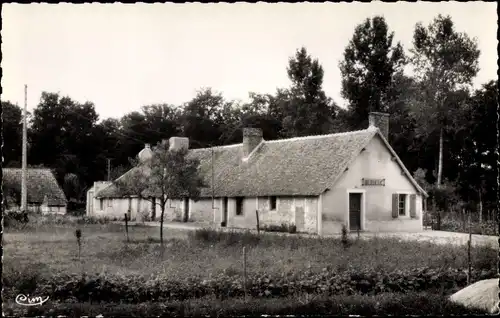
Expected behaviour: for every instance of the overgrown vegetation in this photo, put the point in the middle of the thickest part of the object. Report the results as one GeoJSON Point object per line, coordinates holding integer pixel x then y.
{"type": "Point", "coordinates": [18, 221]}
{"type": "Point", "coordinates": [209, 264]}
{"type": "Point", "coordinates": [397, 304]}
{"type": "Point", "coordinates": [454, 224]}
{"type": "Point", "coordinates": [284, 228]}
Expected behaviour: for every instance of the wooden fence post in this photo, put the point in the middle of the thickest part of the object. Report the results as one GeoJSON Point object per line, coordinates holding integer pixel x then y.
{"type": "Point", "coordinates": [245, 272]}
{"type": "Point", "coordinates": [126, 225]}
{"type": "Point", "coordinates": [464, 220]}
{"type": "Point", "coordinates": [258, 225]}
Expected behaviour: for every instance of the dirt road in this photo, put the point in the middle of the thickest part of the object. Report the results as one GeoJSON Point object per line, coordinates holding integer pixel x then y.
{"type": "Point", "coordinates": [436, 237]}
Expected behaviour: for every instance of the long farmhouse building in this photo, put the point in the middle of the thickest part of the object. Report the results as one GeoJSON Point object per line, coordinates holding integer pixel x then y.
{"type": "Point", "coordinates": [317, 183]}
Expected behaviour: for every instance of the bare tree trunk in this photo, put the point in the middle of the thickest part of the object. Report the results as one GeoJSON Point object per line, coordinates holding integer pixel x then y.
{"type": "Point", "coordinates": [464, 220]}
{"type": "Point", "coordinates": [480, 207]}
{"type": "Point", "coordinates": [440, 162]}
{"type": "Point", "coordinates": [439, 176]}
{"type": "Point", "coordinates": [161, 223]}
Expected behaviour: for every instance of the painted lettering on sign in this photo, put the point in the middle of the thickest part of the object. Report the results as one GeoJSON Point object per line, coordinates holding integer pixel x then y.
{"type": "Point", "coordinates": [373, 182]}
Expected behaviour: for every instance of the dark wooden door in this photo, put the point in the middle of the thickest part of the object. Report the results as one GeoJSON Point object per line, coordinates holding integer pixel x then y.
{"type": "Point", "coordinates": [186, 209]}
{"type": "Point", "coordinates": [224, 212]}
{"type": "Point", "coordinates": [153, 212]}
{"type": "Point", "coordinates": [129, 212]}
{"type": "Point", "coordinates": [354, 211]}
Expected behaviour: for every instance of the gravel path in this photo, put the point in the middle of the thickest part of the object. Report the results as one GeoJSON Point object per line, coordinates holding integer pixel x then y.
{"type": "Point", "coordinates": [436, 237]}
{"type": "Point", "coordinates": [442, 237]}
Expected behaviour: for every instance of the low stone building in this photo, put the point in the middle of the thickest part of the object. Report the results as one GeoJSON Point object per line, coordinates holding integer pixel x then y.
{"type": "Point", "coordinates": [317, 183]}
{"type": "Point", "coordinates": [44, 195]}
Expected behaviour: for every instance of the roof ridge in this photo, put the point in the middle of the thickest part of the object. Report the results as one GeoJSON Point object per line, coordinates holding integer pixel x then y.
{"type": "Point", "coordinates": [11, 168]}
{"type": "Point", "coordinates": [217, 147]}
{"type": "Point", "coordinates": [369, 129]}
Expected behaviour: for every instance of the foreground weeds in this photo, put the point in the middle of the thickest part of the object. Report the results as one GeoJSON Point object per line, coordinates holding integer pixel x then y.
{"type": "Point", "coordinates": [207, 263]}
{"type": "Point", "coordinates": [383, 304]}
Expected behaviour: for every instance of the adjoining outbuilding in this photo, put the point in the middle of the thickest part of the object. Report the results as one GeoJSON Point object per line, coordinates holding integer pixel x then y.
{"type": "Point", "coordinates": [317, 183]}
{"type": "Point", "coordinates": [44, 195]}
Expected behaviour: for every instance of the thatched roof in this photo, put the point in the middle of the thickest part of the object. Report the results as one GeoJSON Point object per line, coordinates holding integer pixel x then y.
{"type": "Point", "coordinates": [296, 166]}
{"type": "Point", "coordinates": [41, 184]}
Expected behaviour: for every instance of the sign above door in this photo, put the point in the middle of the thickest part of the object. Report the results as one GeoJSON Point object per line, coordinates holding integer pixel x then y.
{"type": "Point", "coordinates": [373, 182]}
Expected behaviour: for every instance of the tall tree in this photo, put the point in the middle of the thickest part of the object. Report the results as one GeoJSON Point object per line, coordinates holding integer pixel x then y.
{"type": "Point", "coordinates": [61, 136]}
{"type": "Point", "coordinates": [133, 134]}
{"type": "Point", "coordinates": [304, 108]}
{"type": "Point", "coordinates": [256, 113]}
{"type": "Point", "coordinates": [370, 62]}
{"type": "Point", "coordinates": [200, 120]}
{"type": "Point", "coordinates": [162, 121]}
{"type": "Point", "coordinates": [169, 174]}
{"type": "Point", "coordinates": [473, 147]}
{"type": "Point", "coordinates": [12, 133]}
{"type": "Point", "coordinates": [444, 60]}
{"type": "Point", "coordinates": [106, 137]}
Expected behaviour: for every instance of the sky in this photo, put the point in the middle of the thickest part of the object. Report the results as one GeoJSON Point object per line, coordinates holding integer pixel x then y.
{"type": "Point", "coordinates": [124, 56]}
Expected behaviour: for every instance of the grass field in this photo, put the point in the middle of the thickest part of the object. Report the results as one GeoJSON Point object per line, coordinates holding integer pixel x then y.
{"type": "Point", "coordinates": [48, 251]}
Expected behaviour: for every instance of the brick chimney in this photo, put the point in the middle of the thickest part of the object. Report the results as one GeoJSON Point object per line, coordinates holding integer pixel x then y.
{"type": "Point", "coordinates": [381, 121]}
{"type": "Point", "coordinates": [176, 143]}
{"type": "Point", "coordinates": [251, 138]}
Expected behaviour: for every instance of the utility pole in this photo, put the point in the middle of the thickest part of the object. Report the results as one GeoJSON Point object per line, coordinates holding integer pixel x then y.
{"type": "Point", "coordinates": [24, 192]}
{"type": "Point", "coordinates": [109, 169]}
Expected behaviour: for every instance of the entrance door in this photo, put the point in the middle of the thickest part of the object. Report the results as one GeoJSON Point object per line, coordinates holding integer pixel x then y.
{"type": "Point", "coordinates": [153, 210]}
{"type": "Point", "coordinates": [224, 212]}
{"type": "Point", "coordinates": [186, 209]}
{"type": "Point", "coordinates": [129, 212]}
{"type": "Point", "coordinates": [354, 211]}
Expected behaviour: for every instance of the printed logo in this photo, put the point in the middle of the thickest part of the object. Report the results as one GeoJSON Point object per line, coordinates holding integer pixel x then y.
{"type": "Point", "coordinates": [26, 300]}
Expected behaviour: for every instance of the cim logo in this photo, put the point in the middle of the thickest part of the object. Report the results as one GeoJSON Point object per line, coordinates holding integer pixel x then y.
{"type": "Point", "coordinates": [26, 300]}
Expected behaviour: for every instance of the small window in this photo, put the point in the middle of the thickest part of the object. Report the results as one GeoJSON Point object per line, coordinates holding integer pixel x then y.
{"type": "Point", "coordinates": [109, 203]}
{"type": "Point", "coordinates": [101, 205]}
{"type": "Point", "coordinates": [239, 206]}
{"type": "Point", "coordinates": [272, 203]}
{"type": "Point", "coordinates": [402, 204]}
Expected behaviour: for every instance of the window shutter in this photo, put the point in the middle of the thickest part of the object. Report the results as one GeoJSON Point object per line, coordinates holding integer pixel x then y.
{"type": "Point", "coordinates": [413, 206]}
{"type": "Point", "coordinates": [394, 205]}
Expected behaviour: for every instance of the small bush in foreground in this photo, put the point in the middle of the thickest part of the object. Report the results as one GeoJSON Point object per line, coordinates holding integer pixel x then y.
{"type": "Point", "coordinates": [344, 239]}
{"type": "Point", "coordinates": [15, 219]}
{"type": "Point", "coordinates": [211, 236]}
{"type": "Point", "coordinates": [284, 228]}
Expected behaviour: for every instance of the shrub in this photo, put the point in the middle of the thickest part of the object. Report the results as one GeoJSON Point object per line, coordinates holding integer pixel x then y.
{"type": "Point", "coordinates": [284, 228]}
{"type": "Point", "coordinates": [211, 236]}
{"type": "Point", "coordinates": [136, 289]}
{"type": "Point", "coordinates": [15, 219]}
{"type": "Point", "coordinates": [455, 222]}
{"type": "Point", "coordinates": [94, 220]}
{"type": "Point", "coordinates": [145, 216]}
{"type": "Point", "coordinates": [344, 238]}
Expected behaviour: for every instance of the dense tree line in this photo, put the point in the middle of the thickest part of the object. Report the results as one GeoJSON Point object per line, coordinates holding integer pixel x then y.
{"type": "Point", "coordinates": [444, 131]}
